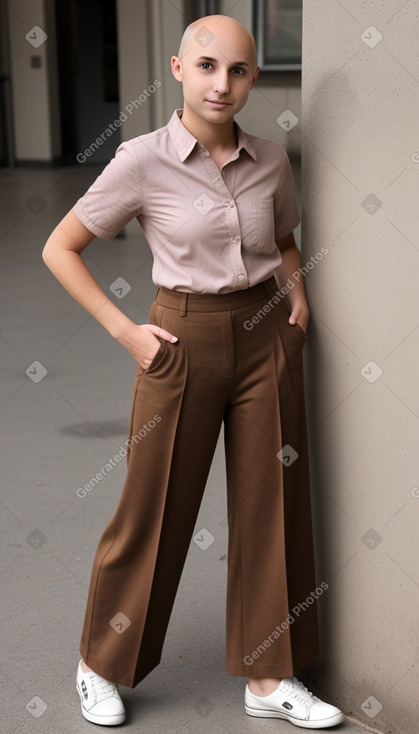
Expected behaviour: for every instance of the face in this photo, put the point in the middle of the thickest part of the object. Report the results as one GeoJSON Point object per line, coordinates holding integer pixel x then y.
{"type": "Point", "coordinates": [217, 79]}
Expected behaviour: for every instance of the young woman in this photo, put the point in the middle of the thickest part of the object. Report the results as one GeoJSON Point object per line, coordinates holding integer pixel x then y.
{"type": "Point", "coordinates": [224, 344]}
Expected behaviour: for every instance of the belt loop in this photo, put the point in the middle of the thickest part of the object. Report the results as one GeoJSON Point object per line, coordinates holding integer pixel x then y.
{"type": "Point", "coordinates": [183, 304]}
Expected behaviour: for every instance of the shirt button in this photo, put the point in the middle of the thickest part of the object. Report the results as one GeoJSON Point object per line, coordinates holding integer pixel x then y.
{"type": "Point", "coordinates": [231, 203]}
{"type": "Point", "coordinates": [241, 276]}
{"type": "Point", "coordinates": [235, 239]}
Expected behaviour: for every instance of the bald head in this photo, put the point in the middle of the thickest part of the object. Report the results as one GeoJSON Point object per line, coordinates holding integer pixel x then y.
{"type": "Point", "coordinates": [205, 32]}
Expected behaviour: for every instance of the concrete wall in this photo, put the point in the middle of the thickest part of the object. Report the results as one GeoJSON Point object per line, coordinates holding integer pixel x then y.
{"type": "Point", "coordinates": [34, 90]}
{"type": "Point", "coordinates": [360, 170]}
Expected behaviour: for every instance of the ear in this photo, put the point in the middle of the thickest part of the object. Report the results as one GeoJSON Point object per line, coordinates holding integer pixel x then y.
{"type": "Point", "coordinates": [176, 65]}
{"type": "Point", "coordinates": [255, 76]}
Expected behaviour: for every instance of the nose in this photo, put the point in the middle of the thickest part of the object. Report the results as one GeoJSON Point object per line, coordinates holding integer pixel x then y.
{"type": "Point", "coordinates": [221, 82]}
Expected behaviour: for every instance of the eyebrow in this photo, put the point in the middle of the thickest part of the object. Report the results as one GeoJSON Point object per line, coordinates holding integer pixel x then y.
{"type": "Point", "coordinates": [210, 58]}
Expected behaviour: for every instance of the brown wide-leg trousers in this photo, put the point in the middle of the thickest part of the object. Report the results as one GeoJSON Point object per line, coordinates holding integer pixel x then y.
{"type": "Point", "coordinates": [238, 360]}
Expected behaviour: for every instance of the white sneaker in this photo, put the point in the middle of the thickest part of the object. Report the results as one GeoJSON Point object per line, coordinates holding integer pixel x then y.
{"type": "Point", "coordinates": [100, 699]}
{"type": "Point", "coordinates": [292, 701]}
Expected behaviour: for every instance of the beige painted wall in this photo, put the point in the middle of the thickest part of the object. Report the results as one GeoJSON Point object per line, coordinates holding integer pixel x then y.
{"type": "Point", "coordinates": [360, 170]}
{"type": "Point", "coordinates": [34, 90]}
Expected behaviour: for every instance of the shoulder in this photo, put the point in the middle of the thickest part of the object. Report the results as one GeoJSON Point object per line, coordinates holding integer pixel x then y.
{"type": "Point", "coordinates": [142, 145]}
{"type": "Point", "coordinates": [266, 149]}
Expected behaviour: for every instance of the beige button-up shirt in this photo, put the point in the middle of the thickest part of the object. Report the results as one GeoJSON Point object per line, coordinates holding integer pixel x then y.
{"type": "Point", "coordinates": [209, 231]}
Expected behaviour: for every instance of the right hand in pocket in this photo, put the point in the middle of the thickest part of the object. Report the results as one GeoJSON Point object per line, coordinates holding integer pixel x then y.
{"type": "Point", "coordinates": [142, 342]}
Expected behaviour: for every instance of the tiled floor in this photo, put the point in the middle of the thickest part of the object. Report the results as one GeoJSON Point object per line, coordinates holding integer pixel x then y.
{"type": "Point", "coordinates": [59, 421]}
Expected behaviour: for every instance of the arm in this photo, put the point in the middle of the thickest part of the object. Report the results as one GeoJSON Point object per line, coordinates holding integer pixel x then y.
{"type": "Point", "coordinates": [291, 261]}
{"type": "Point", "coordinates": [62, 255]}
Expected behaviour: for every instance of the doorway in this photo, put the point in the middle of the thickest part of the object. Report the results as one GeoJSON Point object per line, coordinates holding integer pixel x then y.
{"type": "Point", "coordinates": [88, 79]}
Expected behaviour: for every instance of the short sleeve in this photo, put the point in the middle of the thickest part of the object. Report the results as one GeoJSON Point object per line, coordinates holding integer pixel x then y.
{"type": "Point", "coordinates": [286, 213]}
{"type": "Point", "coordinates": [115, 197]}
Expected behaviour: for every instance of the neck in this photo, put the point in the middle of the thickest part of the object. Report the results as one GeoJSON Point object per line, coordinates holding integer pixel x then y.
{"type": "Point", "coordinates": [211, 135]}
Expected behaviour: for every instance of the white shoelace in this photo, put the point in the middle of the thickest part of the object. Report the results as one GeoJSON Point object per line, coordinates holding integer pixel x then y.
{"type": "Point", "coordinates": [103, 687]}
{"type": "Point", "coordinates": [298, 691]}
{"type": "Point", "coordinates": [106, 687]}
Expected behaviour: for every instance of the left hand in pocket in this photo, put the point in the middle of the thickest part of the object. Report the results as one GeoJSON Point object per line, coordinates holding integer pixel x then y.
{"type": "Point", "coordinates": [299, 314]}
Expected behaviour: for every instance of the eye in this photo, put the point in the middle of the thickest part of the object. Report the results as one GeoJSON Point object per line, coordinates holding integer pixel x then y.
{"type": "Point", "coordinates": [205, 65]}
{"type": "Point", "coordinates": [238, 70]}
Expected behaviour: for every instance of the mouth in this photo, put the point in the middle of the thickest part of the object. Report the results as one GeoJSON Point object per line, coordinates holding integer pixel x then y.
{"type": "Point", "coordinates": [217, 104]}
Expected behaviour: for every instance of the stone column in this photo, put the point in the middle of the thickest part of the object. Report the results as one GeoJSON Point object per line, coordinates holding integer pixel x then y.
{"type": "Point", "coordinates": [360, 170]}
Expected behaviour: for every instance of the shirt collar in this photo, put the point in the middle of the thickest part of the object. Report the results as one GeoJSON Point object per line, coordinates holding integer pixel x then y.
{"type": "Point", "coordinates": [185, 142]}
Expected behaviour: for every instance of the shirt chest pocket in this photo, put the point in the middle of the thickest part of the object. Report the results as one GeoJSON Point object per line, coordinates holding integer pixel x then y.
{"type": "Point", "coordinates": [258, 231]}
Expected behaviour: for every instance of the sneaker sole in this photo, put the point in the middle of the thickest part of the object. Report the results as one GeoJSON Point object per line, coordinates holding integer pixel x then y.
{"type": "Point", "coordinates": [110, 720]}
{"type": "Point", "coordinates": [303, 723]}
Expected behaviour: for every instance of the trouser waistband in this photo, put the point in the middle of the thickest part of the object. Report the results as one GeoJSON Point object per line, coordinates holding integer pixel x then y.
{"type": "Point", "coordinates": [207, 302]}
